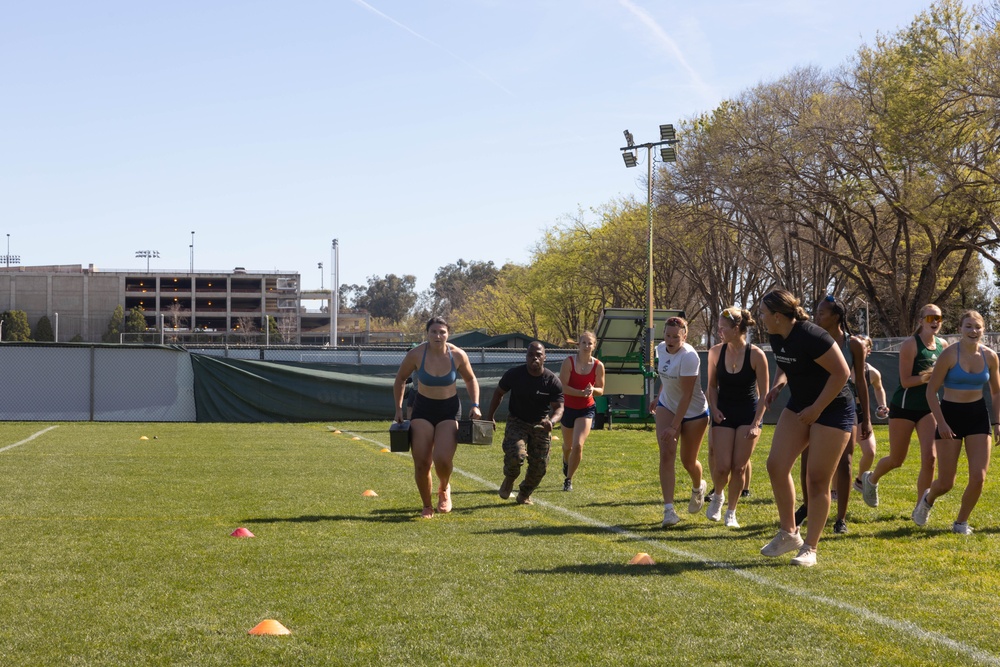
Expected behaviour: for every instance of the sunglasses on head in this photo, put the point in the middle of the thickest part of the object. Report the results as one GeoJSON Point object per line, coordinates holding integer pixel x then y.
{"type": "Point", "coordinates": [831, 298]}
{"type": "Point", "coordinates": [931, 319]}
{"type": "Point", "coordinates": [733, 314]}
{"type": "Point", "coordinates": [674, 322]}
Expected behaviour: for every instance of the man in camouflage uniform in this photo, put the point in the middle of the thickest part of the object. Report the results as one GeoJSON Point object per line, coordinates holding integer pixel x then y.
{"type": "Point", "coordinates": [536, 404]}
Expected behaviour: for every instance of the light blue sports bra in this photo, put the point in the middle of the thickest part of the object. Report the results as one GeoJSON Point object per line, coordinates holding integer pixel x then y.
{"type": "Point", "coordinates": [429, 380]}
{"type": "Point", "coordinates": [959, 378]}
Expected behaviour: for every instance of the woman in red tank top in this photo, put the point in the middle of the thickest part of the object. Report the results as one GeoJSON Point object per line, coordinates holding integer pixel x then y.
{"type": "Point", "coordinates": [582, 378]}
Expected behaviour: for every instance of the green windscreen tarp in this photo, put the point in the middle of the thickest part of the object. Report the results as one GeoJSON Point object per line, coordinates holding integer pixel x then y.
{"type": "Point", "coordinates": [242, 390]}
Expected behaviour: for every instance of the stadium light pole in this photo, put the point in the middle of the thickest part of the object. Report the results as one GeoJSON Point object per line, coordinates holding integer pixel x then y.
{"type": "Point", "coordinates": [334, 292]}
{"type": "Point", "coordinates": [192, 252]}
{"type": "Point", "coordinates": [668, 137]}
{"type": "Point", "coordinates": [320, 265]}
{"type": "Point", "coordinates": [147, 255]}
{"type": "Point", "coordinates": [9, 258]}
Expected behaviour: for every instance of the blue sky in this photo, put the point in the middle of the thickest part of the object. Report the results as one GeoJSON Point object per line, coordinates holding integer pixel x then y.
{"type": "Point", "coordinates": [415, 132]}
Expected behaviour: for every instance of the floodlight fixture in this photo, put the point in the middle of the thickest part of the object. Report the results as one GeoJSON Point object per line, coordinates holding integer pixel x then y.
{"type": "Point", "coordinates": [667, 133]}
{"type": "Point", "coordinates": [147, 255]}
{"type": "Point", "coordinates": [668, 154]}
{"type": "Point", "coordinates": [629, 157]}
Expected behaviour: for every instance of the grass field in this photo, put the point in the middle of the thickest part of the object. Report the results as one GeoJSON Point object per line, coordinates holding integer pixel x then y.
{"type": "Point", "coordinates": [116, 551]}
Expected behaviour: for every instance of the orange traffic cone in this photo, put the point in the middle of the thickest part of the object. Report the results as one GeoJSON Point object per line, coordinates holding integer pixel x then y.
{"type": "Point", "coordinates": [370, 494]}
{"type": "Point", "coordinates": [269, 627]}
{"type": "Point", "coordinates": [641, 558]}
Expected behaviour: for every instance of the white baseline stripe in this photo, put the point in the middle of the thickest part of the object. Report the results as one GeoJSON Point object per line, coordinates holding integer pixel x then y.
{"type": "Point", "coordinates": [29, 438]}
{"type": "Point", "coordinates": [907, 627]}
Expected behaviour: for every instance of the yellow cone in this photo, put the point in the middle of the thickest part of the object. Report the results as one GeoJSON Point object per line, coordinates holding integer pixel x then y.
{"type": "Point", "coordinates": [641, 558]}
{"type": "Point", "coordinates": [369, 494]}
{"type": "Point", "coordinates": [337, 430]}
{"type": "Point", "coordinates": [356, 438]}
{"type": "Point", "coordinates": [269, 627]}
{"type": "Point", "coordinates": [385, 449]}
{"type": "Point", "coordinates": [142, 437]}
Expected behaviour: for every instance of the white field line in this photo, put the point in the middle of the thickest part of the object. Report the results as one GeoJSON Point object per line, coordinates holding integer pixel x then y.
{"type": "Point", "coordinates": [29, 438]}
{"type": "Point", "coordinates": [906, 627]}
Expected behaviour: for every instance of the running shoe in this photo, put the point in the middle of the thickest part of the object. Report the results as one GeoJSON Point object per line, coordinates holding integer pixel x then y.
{"type": "Point", "coordinates": [869, 491]}
{"type": "Point", "coordinates": [730, 519]}
{"type": "Point", "coordinates": [524, 500]}
{"type": "Point", "coordinates": [714, 511]}
{"type": "Point", "coordinates": [670, 518]}
{"type": "Point", "coordinates": [840, 526]}
{"type": "Point", "coordinates": [806, 557]}
{"type": "Point", "coordinates": [568, 485]}
{"type": "Point", "coordinates": [697, 498]}
{"type": "Point", "coordinates": [923, 510]}
{"type": "Point", "coordinates": [858, 486]}
{"type": "Point", "coordinates": [782, 544]}
{"type": "Point", "coordinates": [961, 528]}
{"type": "Point", "coordinates": [745, 493]}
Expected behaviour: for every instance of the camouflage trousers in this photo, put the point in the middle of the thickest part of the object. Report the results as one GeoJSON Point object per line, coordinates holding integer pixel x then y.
{"type": "Point", "coordinates": [521, 440]}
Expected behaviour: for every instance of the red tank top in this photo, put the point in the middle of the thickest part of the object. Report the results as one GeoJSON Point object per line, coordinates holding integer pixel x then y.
{"type": "Point", "coordinates": [577, 381]}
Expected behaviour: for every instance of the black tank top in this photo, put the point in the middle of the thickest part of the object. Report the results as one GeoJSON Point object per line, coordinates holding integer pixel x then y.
{"type": "Point", "coordinates": [736, 388]}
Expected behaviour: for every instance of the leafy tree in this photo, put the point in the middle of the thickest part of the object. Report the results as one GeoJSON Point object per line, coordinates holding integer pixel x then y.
{"type": "Point", "coordinates": [454, 283]}
{"type": "Point", "coordinates": [273, 331]}
{"type": "Point", "coordinates": [136, 322]}
{"type": "Point", "coordinates": [390, 297]}
{"type": "Point", "coordinates": [43, 330]}
{"type": "Point", "coordinates": [15, 326]}
{"type": "Point", "coordinates": [113, 333]}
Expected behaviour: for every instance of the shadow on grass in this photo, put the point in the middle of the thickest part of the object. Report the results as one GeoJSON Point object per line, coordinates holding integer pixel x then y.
{"type": "Point", "coordinates": [657, 569]}
{"type": "Point", "coordinates": [375, 516]}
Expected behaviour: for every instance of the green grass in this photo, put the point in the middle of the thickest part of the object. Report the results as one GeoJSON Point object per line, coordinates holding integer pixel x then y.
{"type": "Point", "coordinates": [117, 551]}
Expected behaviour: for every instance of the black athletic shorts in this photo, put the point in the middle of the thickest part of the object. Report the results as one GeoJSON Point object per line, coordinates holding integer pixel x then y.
{"type": "Point", "coordinates": [436, 410]}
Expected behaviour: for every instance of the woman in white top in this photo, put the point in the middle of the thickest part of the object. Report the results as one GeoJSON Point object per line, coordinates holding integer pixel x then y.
{"type": "Point", "coordinates": [681, 411]}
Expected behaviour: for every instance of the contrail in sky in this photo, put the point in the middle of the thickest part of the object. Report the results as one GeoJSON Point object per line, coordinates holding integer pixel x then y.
{"type": "Point", "coordinates": [668, 42]}
{"type": "Point", "coordinates": [362, 3]}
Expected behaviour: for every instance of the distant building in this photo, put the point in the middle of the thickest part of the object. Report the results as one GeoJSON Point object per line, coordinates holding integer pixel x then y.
{"type": "Point", "coordinates": [205, 302]}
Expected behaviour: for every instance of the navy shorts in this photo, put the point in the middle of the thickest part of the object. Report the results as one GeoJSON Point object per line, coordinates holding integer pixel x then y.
{"type": "Point", "coordinates": [570, 415]}
{"type": "Point", "coordinates": [966, 418]}
{"type": "Point", "coordinates": [736, 415]}
{"type": "Point", "coordinates": [896, 412]}
{"type": "Point", "coordinates": [839, 414]}
{"type": "Point", "coordinates": [436, 410]}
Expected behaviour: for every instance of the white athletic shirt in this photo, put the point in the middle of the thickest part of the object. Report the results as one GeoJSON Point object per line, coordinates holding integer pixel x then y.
{"type": "Point", "coordinates": [672, 367]}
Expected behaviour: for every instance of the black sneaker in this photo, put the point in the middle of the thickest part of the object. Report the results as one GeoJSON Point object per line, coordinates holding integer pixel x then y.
{"type": "Point", "coordinates": [800, 515]}
{"type": "Point", "coordinates": [568, 485]}
{"type": "Point", "coordinates": [840, 526]}
{"type": "Point", "coordinates": [745, 493]}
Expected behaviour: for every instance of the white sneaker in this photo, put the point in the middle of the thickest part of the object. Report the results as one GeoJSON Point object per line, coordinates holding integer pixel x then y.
{"type": "Point", "coordinates": [670, 518]}
{"type": "Point", "coordinates": [782, 544]}
{"type": "Point", "coordinates": [869, 491]}
{"type": "Point", "coordinates": [714, 511]}
{"type": "Point", "coordinates": [922, 510]}
{"type": "Point", "coordinates": [806, 557]}
{"type": "Point", "coordinates": [698, 498]}
{"type": "Point", "coordinates": [961, 528]}
{"type": "Point", "coordinates": [731, 519]}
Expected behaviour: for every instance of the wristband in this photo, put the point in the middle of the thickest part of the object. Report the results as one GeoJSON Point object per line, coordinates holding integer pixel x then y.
{"type": "Point", "coordinates": [475, 405]}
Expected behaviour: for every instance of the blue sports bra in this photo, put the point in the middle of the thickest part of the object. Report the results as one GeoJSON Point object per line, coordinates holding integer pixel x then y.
{"type": "Point", "coordinates": [959, 378]}
{"type": "Point", "coordinates": [429, 380]}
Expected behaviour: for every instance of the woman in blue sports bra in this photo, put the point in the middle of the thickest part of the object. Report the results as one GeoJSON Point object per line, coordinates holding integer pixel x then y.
{"type": "Point", "coordinates": [963, 369]}
{"type": "Point", "coordinates": [436, 409]}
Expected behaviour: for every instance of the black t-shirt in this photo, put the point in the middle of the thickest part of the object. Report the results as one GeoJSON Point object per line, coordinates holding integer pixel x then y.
{"type": "Point", "coordinates": [796, 356]}
{"type": "Point", "coordinates": [531, 395]}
